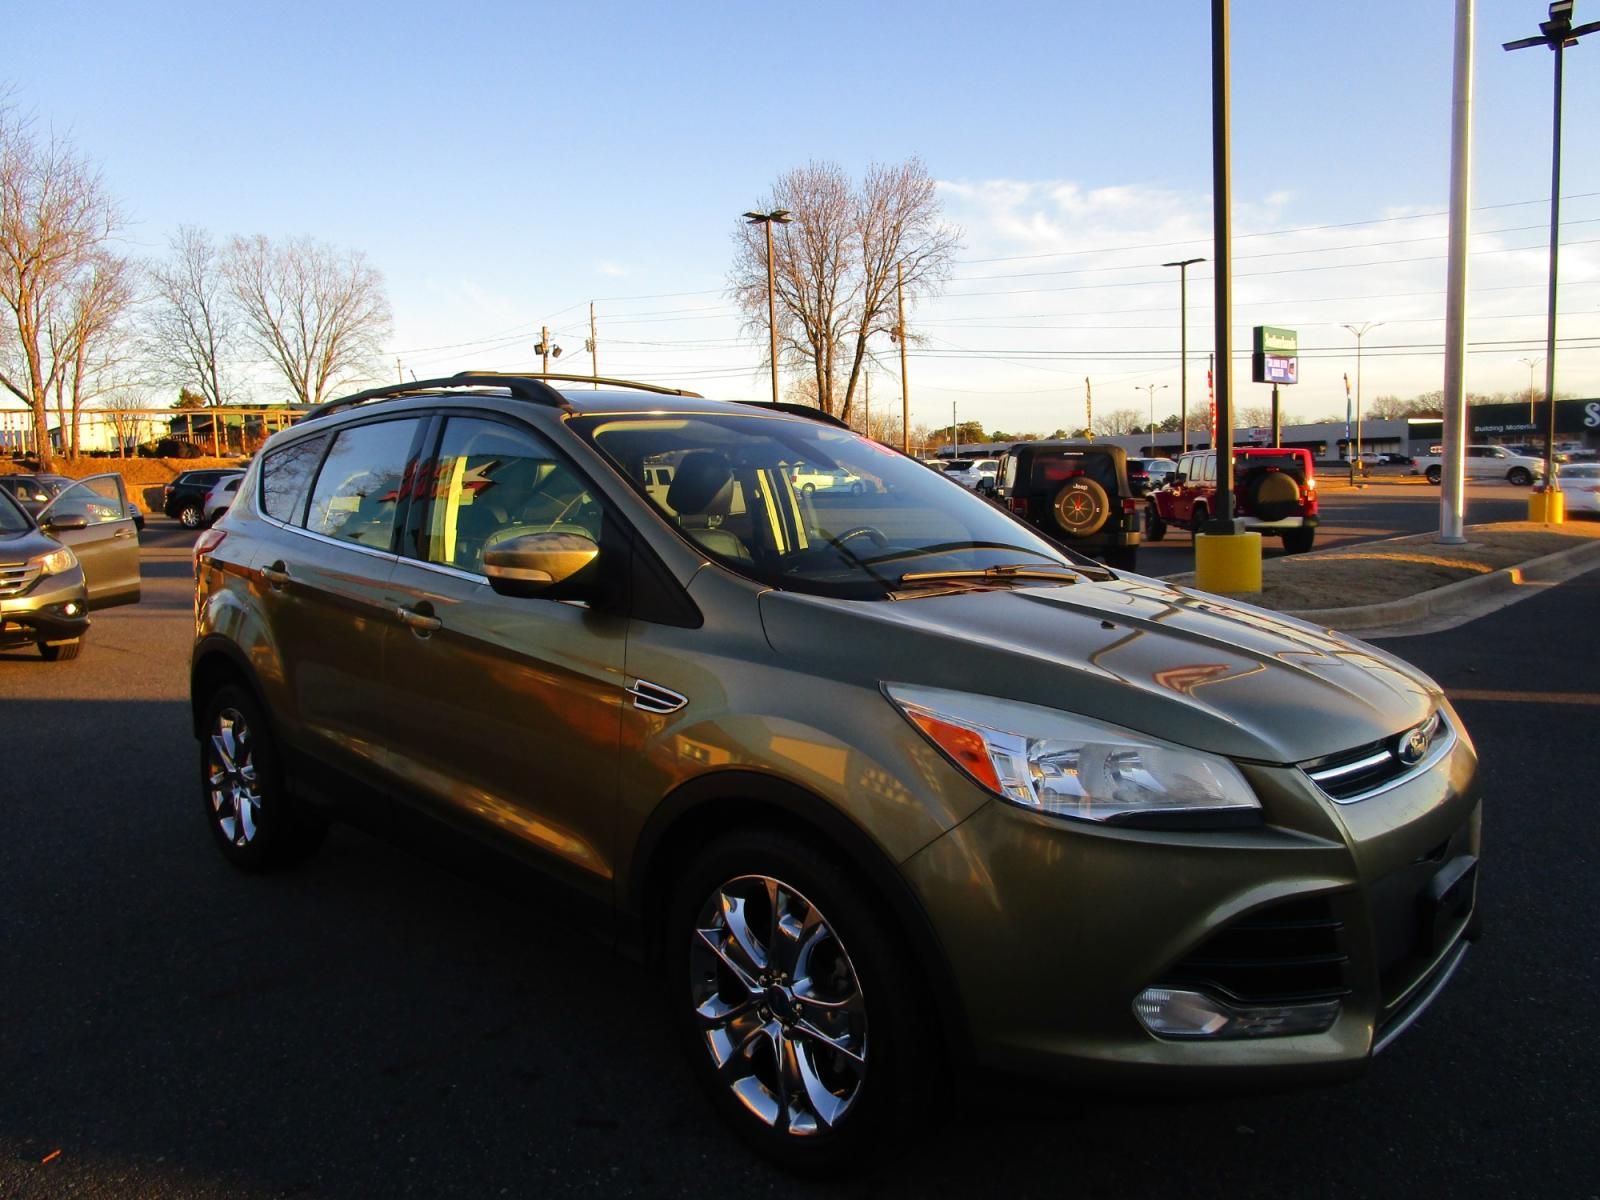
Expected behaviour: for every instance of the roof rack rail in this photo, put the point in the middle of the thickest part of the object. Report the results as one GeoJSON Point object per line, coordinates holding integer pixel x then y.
{"type": "Point", "coordinates": [528, 386]}
{"type": "Point", "coordinates": [627, 383]}
{"type": "Point", "coordinates": [798, 410]}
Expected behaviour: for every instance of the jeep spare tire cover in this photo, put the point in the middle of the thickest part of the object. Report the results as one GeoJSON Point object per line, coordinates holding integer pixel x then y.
{"type": "Point", "coordinates": [1273, 495]}
{"type": "Point", "coordinates": [1081, 508]}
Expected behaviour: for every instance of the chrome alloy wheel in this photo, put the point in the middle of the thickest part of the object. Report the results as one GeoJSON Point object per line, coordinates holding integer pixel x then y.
{"type": "Point", "coordinates": [780, 1005]}
{"type": "Point", "coordinates": [231, 777]}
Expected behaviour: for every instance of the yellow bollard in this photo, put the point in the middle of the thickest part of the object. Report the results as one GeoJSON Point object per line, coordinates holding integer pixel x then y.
{"type": "Point", "coordinates": [1227, 562]}
{"type": "Point", "coordinates": [1548, 506]}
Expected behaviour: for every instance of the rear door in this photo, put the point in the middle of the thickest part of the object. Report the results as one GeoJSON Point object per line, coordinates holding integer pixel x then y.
{"type": "Point", "coordinates": [107, 546]}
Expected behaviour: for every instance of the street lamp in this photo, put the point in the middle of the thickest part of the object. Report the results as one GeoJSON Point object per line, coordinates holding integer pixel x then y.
{"type": "Point", "coordinates": [1530, 363]}
{"type": "Point", "coordinates": [1183, 344]}
{"type": "Point", "coordinates": [1360, 331]}
{"type": "Point", "coordinates": [782, 217]}
{"type": "Point", "coordinates": [1151, 388]}
{"type": "Point", "coordinates": [1557, 33]}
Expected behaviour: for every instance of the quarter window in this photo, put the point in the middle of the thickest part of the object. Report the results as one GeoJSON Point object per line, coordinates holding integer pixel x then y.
{"type": "Point", "coordinates": [491, 483]}
{"type": "Point", "coordinates": [362, 482]}
{"type": "Point", "coordinates": [286, 478]}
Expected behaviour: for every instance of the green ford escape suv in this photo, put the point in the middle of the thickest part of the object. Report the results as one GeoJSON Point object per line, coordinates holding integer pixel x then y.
{"type": "Point", "coordinates": [881, 781]}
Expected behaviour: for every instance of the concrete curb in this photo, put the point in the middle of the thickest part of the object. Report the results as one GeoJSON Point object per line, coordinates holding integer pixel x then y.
{"type": "Point", "coordinates": [1452, 597]}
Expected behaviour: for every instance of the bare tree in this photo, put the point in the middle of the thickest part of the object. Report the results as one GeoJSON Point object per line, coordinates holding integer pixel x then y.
{"type": "Point", "coordinates": [836, 265]}
{"type": "Point", "coordinates": [319, 313]}
{"type": "Point", "coordinates": [192, 322]}
{"type": "Point", "coordinates": [86, 350]}
{"type": "Point", "coordinates": [56, 220]}
{"type": "Point", "coordinates": [1120, 421]}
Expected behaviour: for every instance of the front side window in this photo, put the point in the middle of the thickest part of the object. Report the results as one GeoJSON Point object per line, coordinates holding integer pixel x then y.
{"type": "Point", "coordinates": [733, 494]}
{"type": "Point", "coordinates": [362, 482]}
{"type": "Point", "coordinates": [286, 478]}
{"type": "Point", "coordinates": [89, 500]}
{"type": "Point", "coordinates": [492, 482]}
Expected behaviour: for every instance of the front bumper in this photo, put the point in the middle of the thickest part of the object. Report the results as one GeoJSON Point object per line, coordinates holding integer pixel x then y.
{"type": "Point", "coordinates": [41, 613]}
{"type": "Point", "coordinates": [1053, 928]}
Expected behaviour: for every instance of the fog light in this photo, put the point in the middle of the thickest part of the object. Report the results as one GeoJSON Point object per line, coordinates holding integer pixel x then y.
{"type": "Point", "coordinates": [71, 608]}
{"type": "Point", "coordinates": [1175, 1013]}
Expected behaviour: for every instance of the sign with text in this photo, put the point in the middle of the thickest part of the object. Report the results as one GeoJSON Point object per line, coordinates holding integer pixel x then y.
{"type": "Point", "coordinates": [1275, 356]}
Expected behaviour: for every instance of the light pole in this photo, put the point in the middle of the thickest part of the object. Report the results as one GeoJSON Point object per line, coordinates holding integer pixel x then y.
{"type": "Point", "coordinates": [1183, 345]}
{"type": "Point", "coordinates": [1557, 34]}
{"type": "Point", "coordinates": [1530, 363]}
{"type": "Point", "coordinates": [1360, 331]}
{"type": "Point", "coordinates": [782, 217]}
{"type": "Point", "coordinates": [1151, 388]}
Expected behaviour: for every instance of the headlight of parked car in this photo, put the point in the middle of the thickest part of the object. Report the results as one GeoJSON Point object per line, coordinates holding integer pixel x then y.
{"type": "Point", "coordinates": [1070, 766]}
{"type": "Point", "coordinates": [55, 562]}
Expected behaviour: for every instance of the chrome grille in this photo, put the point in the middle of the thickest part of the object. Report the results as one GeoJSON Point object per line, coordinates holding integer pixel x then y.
{"type": "Point", "coordinates": [1355, 774]}
{"type": "Point", "coordinates": [16, 578]}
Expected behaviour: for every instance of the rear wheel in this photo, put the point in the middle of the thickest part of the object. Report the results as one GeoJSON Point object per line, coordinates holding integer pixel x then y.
{"type": "Point", "coordinates": [799, 1010]}
{"type": "Point", "coordinates": [256, 823]}
{"type": "Point", "coordinates": [61, 651]}
{"type": "Point", "coordinates": [1519, 476]}
{"type": "Point", "coordinates": [1154, 527]}
{"type": "Point", "coordinates": [190, 516]}
{"type": "Point", "coordinates": [1298, 541]}
{"type": "Point", "coordinates": [1434, 474]}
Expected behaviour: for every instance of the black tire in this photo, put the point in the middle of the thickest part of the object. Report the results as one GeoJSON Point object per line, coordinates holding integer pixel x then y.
{"type": "Point", "coordinates": [1434, 475]}
{"type": "Point", "coordinates": [1198, 519]}
{"type": "Point", "coordinates": [276, 830]}
{"type": "Point", "coordinates": [1081, 508]}
{"type": "Point", "coordinates": [61, 651]}
{"type": "Point", "coordinates": [857, 488]}
{"type": "Point", "coordinates": [1298, 541]}
{"type": "Point", "coordinates": [190, 516]}
{"type": "Point", "coordinates": [886, 1099]}
{"type": "Point", "coordinates": [808, 488]}
{"type": "Point", "coordinates": [1519, 477]}
{"type": "Point", "coordinates": [1154, 527]}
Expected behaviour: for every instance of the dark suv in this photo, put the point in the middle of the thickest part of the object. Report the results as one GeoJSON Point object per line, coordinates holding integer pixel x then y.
{"type": "Point", "coordinates": [881, 782]}
{"type": "Point", "coordinates": [1078, 493]}
{"type": "Point", "coordinates": [185, 497]}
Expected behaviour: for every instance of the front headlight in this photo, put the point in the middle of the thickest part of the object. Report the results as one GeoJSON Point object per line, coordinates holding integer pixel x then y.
{"type": "Point", "coordinates": [1070, 766]}
{"type": "Point", "coordinates": [55, 562]}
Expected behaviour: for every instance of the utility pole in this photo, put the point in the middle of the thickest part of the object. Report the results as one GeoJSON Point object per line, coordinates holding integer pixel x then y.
{"type": "Point", "coordinates": [1088, 409]}
{"type": "Point", "coordinates": [900, 336]}
{"type": "Point", "coordinates": [544, 347]}
{"type": "Point", "coordinates": [955, 449]}
{"type": "Point", "coordinates": [1531, 363]}
{"type": "Point", "coordinates": [866, 398]}
{"type": "Point", "coordinates": [399, 371]}
{"type": "Point", "coordinates": [594, 349]}
{"type": "Point", "coordinates": [1452, 434]}
{"type": "Point", "coordinates": [1183, 345]}
{"type": "Point", "coordinates": [1357, 463]}
{"type": "Point", "coordinates": [1557, 34]}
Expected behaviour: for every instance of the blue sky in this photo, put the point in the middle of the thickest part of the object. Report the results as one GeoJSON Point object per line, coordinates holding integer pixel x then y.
{"type": "Point", "coordinates": [504, 164]}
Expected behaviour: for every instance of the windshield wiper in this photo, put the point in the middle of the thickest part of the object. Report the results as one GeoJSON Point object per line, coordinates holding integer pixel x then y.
{"type": "Point", "coordinates": [1059, 574]}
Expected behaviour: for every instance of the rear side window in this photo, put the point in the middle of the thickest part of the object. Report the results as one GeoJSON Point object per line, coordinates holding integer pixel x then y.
{"type": "Point", "coordinates": [362, 482]}
{"type": "Point", "coordinates": [1208, 468]}
{"type": "Point", "coordinates": [286, 478]}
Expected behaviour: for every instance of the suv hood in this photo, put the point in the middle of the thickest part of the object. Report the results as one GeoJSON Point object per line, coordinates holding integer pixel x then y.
{"type": "Point", "coordinates": [1177, 664]}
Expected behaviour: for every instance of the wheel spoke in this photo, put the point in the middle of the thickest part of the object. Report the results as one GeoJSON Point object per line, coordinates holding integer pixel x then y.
{"type": "Point", "coordinates": [744, 938]}
{"type": "Point", "coordinates": [822, 1100]}
{"type": "Point", "coordinates": [222, 743]}
{"type": "Point", "coordinates": [857, 1059]}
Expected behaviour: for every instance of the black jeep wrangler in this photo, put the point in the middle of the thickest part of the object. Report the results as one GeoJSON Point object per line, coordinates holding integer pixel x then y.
{"type": "Point", "coordinates": [1077, 493]}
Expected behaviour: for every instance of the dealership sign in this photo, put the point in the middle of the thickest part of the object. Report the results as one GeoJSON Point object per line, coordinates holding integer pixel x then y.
{"type": "Point", "coordinates": [1276, 355]}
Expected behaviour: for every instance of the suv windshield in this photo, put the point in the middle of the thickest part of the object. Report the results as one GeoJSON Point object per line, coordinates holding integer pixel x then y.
{"type": "Point", "coordinates": [731, 492]}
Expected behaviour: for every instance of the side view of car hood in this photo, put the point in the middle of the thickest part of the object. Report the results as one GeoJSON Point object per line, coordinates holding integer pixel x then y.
{"type": "Point", "coordinates": [1178, 664]}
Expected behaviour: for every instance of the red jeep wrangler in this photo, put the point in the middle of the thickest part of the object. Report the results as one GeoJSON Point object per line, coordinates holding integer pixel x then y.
{"type": "Point", "coordinates": [1275, 491]}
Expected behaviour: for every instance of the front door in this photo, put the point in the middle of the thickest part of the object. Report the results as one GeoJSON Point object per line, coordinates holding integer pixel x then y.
{"type": "Point", "coordinates": [107, 544]}
{"type": "Point", "coordinates": [505, 711]}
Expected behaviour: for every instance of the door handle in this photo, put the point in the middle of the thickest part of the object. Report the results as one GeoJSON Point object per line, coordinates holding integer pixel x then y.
{"type": "Point", "coordinates": [275, 575]}
{"type": "Point", "coordinates": [123, 533]}
{"type": "Point", "coordinates": [421, 623]}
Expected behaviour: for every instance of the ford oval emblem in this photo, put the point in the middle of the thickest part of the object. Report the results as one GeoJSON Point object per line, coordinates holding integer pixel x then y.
{"type": "Point", "coordinates": [1413, 746]}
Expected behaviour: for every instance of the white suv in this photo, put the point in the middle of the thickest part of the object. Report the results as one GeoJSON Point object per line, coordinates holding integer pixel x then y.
{"type": "Point", "coordinates": [1486, 462]}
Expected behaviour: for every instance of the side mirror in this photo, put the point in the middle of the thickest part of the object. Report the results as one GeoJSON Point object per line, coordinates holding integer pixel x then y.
{"type": "Point", "coordinates": [534, 563]}
{"type": "Point", "coordinates": [65, 523]}
{"type": "Point", "coordinates": [1178, 477]}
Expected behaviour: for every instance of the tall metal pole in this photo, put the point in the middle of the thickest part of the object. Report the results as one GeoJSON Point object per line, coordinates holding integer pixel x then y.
{"type": "Point", "coordinates": [544, 346]}
{"type": "Point", "coordinates": [905, 390]}
{"type": "Point", "coordinates": [1183, 346]}
{"type": "Point", "coordinates": [772, 320]}
{"type": "Point", "coordinates": [1222, 237]}
{"type": "Point", "coordinates": [955, 449]}
{"type": "Point", "coordinates": [1531, 364]}
{"type": "Point", "coordinates": [594, 349]}
{"type": "Point", "coordinates": [1550, 481]}
{"type": "Point", "coordinates": [1453, 450]}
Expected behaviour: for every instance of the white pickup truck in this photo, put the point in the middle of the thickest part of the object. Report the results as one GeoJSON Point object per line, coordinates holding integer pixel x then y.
{"type": "Point", "coordinates": [1485, 462]}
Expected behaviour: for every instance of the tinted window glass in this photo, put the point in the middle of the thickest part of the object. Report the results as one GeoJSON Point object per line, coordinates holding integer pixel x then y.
{"type": "Point", "coordinates": [87, 501]}
{"type": "Point", "coordinates": [491, 483]}
{"type": "Point", "coordinates": [1284, 462]}
{"type": "Point", "coordinates": [12, 518]}
{"type": "Point", "coordinates": [362, 482]}
{"type": "Point", "coordinates": [1052, 471]}
{"type": "Point", "coordinates": [1208, 468]}
{"type": "Point", "coordinates": [286, 478]}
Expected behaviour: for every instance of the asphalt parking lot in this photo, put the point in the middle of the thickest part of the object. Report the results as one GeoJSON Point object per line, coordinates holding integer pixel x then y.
{"type": "Point", "coordinates": [378, 1024]}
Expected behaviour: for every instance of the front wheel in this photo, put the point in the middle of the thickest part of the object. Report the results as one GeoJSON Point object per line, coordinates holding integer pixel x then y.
{"type": "Point", "coordinates": [257, 824]}
{"type": "Point", "coordinates": [1198, 521]}
{"type": "Point", "coordinates": [1154, 527]}
{"type": "Point", "coordinates": [61, 651]}
{"type": "Point", "coordinates": [1519, 476]}
{"type": "Point", "coordinates": [1434, 474]}
{"type": "Point", "coordinates": [797, 1006]}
